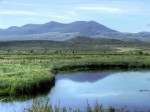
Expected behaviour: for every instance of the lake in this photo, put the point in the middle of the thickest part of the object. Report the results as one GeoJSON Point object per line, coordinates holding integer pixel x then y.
{"type": "Point", "coordinates": [130, 89]}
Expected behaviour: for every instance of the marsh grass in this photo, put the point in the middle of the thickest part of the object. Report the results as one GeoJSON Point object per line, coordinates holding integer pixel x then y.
{"type": "Point", "coordinates": [31, 73]}
{"type": "Point", "coordinates": [44, 105]}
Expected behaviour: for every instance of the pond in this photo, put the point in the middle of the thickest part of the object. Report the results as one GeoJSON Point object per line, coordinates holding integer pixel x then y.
{"type": "Point", "coordinates": [110, 88]}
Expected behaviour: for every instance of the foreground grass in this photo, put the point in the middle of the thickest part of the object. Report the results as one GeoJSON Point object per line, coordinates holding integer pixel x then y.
{"type": "Point", "coordinates": [45, 106]}
{"type": "Point", "coordinates": [24, 72]}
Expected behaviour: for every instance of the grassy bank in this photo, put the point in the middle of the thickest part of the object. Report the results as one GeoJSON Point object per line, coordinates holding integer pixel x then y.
{"type": "Point", "coordinates": [23, 73]}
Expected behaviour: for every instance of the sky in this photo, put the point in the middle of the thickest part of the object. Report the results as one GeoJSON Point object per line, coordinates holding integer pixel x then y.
{"type": "Point", "coordinates": [122, 15]}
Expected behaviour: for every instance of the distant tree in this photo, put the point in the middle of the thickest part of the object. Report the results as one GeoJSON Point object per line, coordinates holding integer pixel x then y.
{"type": "Point", "coordinates": [140, 52]}
{"type": "Point", "coordinates": [8, 50]}
{"type": "Point", "coordinates": [31, 51]}
{"type": "Point", "coordinates": [45, 51]}
{"type": "Point", "coordinates": [56, 51]}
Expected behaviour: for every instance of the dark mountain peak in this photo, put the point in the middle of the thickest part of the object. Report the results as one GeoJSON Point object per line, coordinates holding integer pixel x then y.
{"type": "Point", "coordinates": [78, 22]}
{"type": "Point", "coordinates": [52, 23]}
{"type": "Point", "coordinates": [93, 22]}
{"type": "Point", "coordinates": [28, 25]}
{"type": "Point", "coordinates": [13, 27]}
{"type": "Point", "coordinates": [87, 28]}
{"type": "Point", "coordinates": [85, 23]}
{"type": "Point", "coordinates": [96, 24]}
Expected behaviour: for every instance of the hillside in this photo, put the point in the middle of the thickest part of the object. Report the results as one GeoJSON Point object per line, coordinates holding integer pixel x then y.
{"type": "Point", "coordinates": [79, 43]}
{"type": "Point", "coordinates": [60, 32]}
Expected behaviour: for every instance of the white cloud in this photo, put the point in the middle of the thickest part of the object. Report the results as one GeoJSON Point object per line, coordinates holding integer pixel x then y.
{"type": "Point", "coordinates": [53, 15]}
{"type": "Point", "coordinates": [59, 17]}
{"type": "Point", "coordinates": [16, 12]}
{"type": "Point", "coordinates": [100, 9]}
{"type": "Point", "coordinates": [40, 14]}
{"type": "Point", "coordinates": [72, 13]}
{"type": "Point", "coordinates": [17, 3]}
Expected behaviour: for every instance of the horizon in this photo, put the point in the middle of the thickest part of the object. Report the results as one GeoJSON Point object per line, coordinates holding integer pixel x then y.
{"type": "Point", "coordinates": [124, 16]}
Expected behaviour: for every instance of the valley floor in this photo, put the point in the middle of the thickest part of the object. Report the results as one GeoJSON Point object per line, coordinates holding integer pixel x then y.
{"type": "Point", "coordinates": [27, 72]}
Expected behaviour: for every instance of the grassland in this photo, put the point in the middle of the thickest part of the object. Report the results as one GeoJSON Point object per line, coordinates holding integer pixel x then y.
{"type": "Point", "coordinates": [29, 67]}
{"type": "Point", "coordinates": [25, 72]}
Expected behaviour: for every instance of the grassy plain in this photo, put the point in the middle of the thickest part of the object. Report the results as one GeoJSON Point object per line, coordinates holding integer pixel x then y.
{"type": "Point", "coordinates": [29, 67]}
{"type": "Point", "coordinates": [30, 73]}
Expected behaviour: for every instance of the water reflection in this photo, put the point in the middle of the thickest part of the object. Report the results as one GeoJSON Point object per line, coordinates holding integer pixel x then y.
{"type": "Point", "coordinates": [118, 89]}
{"type": "Point", "coordinates": [85, 77]}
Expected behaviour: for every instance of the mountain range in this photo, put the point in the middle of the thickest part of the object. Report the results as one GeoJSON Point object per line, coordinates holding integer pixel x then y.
{"type": "Point", "coordinates": [60, 32]}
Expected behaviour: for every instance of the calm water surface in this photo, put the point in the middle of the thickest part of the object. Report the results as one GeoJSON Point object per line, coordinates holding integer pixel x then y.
{"type": "Point", "coordinates": [117, 89]}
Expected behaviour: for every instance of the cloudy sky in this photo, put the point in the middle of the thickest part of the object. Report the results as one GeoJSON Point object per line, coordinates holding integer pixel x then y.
{"type": "Point", "coordinates": [121, 15]}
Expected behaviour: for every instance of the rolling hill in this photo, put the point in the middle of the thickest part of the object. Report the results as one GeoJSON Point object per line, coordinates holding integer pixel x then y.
{"type": "Point", "coordinates": [79, 43]}
{"type": "Point", "coordinates": [60, 32]}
